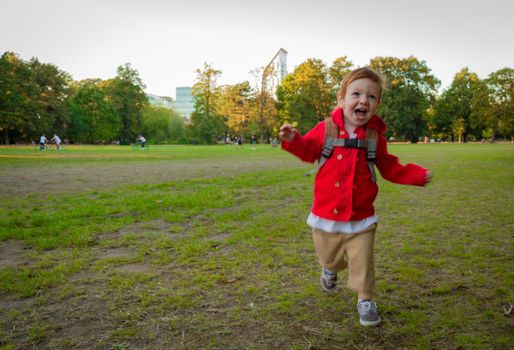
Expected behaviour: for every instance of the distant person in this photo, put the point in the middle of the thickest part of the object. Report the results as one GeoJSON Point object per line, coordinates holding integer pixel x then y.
{"type": "Point", "coordinates": [57, 141]}
{"type": "Point", "coordinates": [342, 217]}
{"type": "Point", "coordinates": [42, 141]}
{"type": "Point", "coordinates": [254, 142]}
{"type": "Point", "coordinates": [141, 140]}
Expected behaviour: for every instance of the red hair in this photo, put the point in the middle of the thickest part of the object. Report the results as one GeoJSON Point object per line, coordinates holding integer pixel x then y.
{"type": "Point", "coordinates": [361, 73]}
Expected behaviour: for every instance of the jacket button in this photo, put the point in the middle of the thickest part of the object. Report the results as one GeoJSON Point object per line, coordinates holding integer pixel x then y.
{"type": "Point", "coordinates": [339, 157]}
{"type": "Point", "coordinates": [336, 211]}
{"type": "Point", "coordinates": [337, 184]}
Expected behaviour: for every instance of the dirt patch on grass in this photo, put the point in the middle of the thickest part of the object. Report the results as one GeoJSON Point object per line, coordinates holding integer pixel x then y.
{"type": "Point", "coordinates": [158, 226]}
{"type": "Point", "coordinates": [13, 253]}
{"type": "Point", "coordinates": [112, 252]}
{"type": "Point", "coordinates": [136, 268]}
{"type": "Point", "coordinates": [63, 179]}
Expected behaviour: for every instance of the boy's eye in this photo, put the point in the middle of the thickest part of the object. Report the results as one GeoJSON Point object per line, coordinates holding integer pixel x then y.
{"type": "Point", "coordinates": [373, 97]}
{"type": "Point", "coordinates": [355, 94]}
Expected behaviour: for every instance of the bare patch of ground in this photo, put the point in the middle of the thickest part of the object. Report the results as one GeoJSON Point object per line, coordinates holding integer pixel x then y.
{"type": "Point", "coordinates": [158, 226]}
{"type": "Point", "coordinates": [62, 179]}
{"type": "Point", "coordinates": [13, 253]}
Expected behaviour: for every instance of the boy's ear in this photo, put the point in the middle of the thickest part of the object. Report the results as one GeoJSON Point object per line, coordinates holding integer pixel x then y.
{"type": "Point", "coordinates": [340, 102]}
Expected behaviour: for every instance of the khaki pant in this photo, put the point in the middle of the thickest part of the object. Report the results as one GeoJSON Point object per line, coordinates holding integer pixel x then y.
{"type": "Point", "coordinates": [336, 251]}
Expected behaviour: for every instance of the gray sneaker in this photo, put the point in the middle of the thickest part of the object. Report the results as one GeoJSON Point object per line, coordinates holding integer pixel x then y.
{"type": "Point", "coordinates": [368, 313]}
{"type": "Point", "coordinates": [328, 280]}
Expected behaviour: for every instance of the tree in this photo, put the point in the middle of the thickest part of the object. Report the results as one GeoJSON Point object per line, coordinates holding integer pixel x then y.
{"type": "Point", "coordinates": [53, 89]}
{"type": "Point", "coordinates": [263, 114]}
{"type": "Point", "coordinates": [482, 114]}
{"type": "Point", "coordinates": [340, 67]}
{"type": "Point", "coordinates": [305, 96]}
{"type": "Point", "coordinates": [454, 107]}
{"type": "Point", "coordinates": [501, 91]}
{"type": "Point", "coordinates": [262, 102]}
{"type": "Point", "coordinates": [15, 87]}
{"type": "Point", "coordinates": [206, 125]}
{"type": "Point", "coordinates": [126, 93]}
{"type": "Point", "coordinates": [93, 117]}
{"type": "Point", "coordinates": [234, 106]}
{"type": "Point", "coordinates": [411, 90]}
{"type": "Point", "coordinates": [32, 98]}
{"type": "Point", "coordinates": [162, 125]}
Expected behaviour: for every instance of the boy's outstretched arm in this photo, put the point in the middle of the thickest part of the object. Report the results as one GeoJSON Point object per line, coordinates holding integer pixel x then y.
{"type": "Point", "coordinates": [392, 170]}
{"type": "Point", "coordinates": [287, 132]}
{"type": "Point", "coordinates": [307, 147]}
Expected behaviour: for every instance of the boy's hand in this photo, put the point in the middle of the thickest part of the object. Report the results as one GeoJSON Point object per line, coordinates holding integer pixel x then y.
{"type": "Point", "coordinates": [428, 177]}
{"type": "Point", "coordinates": [287, 132]}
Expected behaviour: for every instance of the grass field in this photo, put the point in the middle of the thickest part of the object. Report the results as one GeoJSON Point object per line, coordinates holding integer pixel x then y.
{"type": "Point", "coordinates": [199, 247]}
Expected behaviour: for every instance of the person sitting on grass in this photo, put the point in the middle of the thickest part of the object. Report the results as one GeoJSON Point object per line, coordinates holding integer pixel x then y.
{"type": "Point", "coordinates": [342, 217]}
{"type": "Point", "coordinates": [142, 140]}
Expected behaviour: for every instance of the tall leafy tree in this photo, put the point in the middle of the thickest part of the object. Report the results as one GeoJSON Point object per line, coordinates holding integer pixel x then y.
{"type": "Point", "coordinates": [305, 96]}
{"type": "Point", "coordinates": [263, 114]}
{"type": "Point", "coordinates": [162, 125]}
{"type": "Point", "coordinates": [411, 90]}
{"type": "Point", "coordinates": [501, 91]}
{"type": "Point", "coordinates": [93, 117]}
{"type": "Point", "coordinates": [126, 93]}
{"type": "Point", "coordinates": [482, 113]}
{"type": "Point", "coordinates": [234, 106]}
{"type": "Point", "coordinates": [53, 88]}
{"type": "Point", "coordinates": [32, 97]}
{"type": "Point", "coordinates": [454, 107]}
{"type": "Point", "coordinates": [262, 103]}
{"type": "Point", "coordinates": [15, 96]}
{"type": "Point", "coordinates": [21, 102]}
{"type": "Point", "coordinates": [206, 124]}
{"type": "Point", "coordinates": [340, 67]}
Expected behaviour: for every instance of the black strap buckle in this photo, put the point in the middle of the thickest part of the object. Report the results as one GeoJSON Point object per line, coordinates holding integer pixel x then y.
{"type": "Point", "coordinates": [351, 143]}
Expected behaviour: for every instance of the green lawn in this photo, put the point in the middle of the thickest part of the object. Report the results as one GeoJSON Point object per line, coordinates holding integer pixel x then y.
{"type": "Point", "coordinates": [206, 247]}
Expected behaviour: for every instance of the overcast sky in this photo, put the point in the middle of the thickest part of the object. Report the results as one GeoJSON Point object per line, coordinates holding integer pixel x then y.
{"type": "Point", "coordinates": [166, 40]}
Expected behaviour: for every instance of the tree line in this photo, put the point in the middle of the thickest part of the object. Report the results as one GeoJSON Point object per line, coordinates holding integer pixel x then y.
{"type": "Point", "coordinates": [39, 98]}
{"type": "Point", "coordinates": [469, 109]}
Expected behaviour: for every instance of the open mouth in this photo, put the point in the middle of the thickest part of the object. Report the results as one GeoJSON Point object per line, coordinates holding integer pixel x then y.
{"type": "Point", "coordinates": [360, 112]}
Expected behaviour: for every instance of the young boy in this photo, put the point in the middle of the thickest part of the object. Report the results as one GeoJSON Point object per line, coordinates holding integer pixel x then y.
{"type": "Point", "coordinates": [342, 218]}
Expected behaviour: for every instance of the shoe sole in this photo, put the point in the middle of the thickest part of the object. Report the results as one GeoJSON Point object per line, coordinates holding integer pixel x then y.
{"type": "Point", "coordinates": [325, 289]}
{"type": "Point", "coordinates": [370, 323]}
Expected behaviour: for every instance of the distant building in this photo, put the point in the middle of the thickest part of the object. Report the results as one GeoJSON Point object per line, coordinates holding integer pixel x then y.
{"type": "Point", "coordinates": [275, 71]}
{"type": "Point", "coordinates": [185, 102]}
{"type": "Point", "coordinates": [160, 101]}
{"type": "Point", "coordinates": [282, 65]}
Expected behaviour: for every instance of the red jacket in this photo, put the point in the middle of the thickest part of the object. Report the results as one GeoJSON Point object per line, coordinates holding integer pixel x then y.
{"type": "Point", "coordinates": [343, 190]}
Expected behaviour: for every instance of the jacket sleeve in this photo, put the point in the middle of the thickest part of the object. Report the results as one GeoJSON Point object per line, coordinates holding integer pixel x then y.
{"type": "Point", "coordinates": [391, 169]}
{"type": "Point", "coordinates": [307, 147]}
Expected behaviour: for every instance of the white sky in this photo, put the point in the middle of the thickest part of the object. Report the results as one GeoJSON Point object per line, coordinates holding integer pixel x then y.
{"type": "Point", "coordinates": [166, 40]}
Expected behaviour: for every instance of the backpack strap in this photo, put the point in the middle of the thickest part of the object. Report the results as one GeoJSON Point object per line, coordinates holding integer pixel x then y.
{"type": "Point", "coordinates": [371, 138]}
{"type": "Point", "coordinates": [329, 143]}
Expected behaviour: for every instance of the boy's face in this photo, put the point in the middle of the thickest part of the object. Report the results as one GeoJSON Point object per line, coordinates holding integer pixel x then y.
{"type": "Point", "coordinates": [360, 102]}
